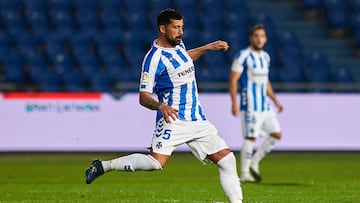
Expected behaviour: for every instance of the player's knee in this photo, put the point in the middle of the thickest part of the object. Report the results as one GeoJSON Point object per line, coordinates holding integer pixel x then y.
{"type": "Point", "coordinates": [252, 139]}
{"type": "Point", "coordinates": [216, 157]}
{"type": "Point", "coordinates": [276, 135]}
{"type": "Point", "coordinates": [157, 165]}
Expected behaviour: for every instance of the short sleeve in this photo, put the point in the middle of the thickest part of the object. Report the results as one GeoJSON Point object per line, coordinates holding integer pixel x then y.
{"type": "Point", "coordinates": [238, 62]}
{"type": "Point", "coordinates": [148, 71]}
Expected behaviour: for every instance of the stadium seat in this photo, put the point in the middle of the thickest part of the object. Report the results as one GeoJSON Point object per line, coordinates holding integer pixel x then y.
{"type": "Point", "coordinates": [311, 5]}
{"type": "Point", "coordinates": [62, 20]}
{"type": "Point", "coordinates": [88, 63]}
{"type": "Point", "coordinates": [102, 82]}
{"type": "Point", "coordinates": [36, 16]}
{"type": "Point", "coordinates": [110, 18]}
{"type": "Point", "coordinates": [287, 39]}
{"type": "Point", "coordinates": [336, 13]}
{"type": "Point", "coordinates": [74, 82]}
{"type": "Point", "coordinates": [135, 5]}
{"type": "Point", "coordinates": [231, 5]}
{"type": "Point", "coordinates": [86, 5]}
{"type": "Point", "coordinates": [32, 56]}
{"type": "Point", "coordinates": [236, 21]}
{"type": "Point", "coordinates": [291, 73]}
{"type": "Point", "coordinates": [317, 69]}
{"type": "Point", "coordinates": [60, 4]}
{"type": "Point", "coordinates": [184, 5]}
{"type": "Point", "coordinates": [86, 19]}
{"type": "Point", "coordinates": [14, 73]}
{"type": "Point", "coordinates": [115, 5]}
{"type": "Point", "coordinates": [342, 75]}
{"type": "Point", "coordinates": [47, 80]}
{"type": "Point", "coordinates": [6, 43]}
{"type": "Point", "coordinates": [123, 74]}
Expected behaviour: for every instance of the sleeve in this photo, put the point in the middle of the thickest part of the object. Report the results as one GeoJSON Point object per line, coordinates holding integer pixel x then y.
{"type": "Point", "coordinates": [148, 74]}
{"type": "Point", "coordinates": [238, 62]}
{"type": "Point", "coordinates": [267, 56]}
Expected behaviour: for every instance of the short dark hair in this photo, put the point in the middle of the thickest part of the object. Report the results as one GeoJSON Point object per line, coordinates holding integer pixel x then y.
{"type": "Point", "coordinates": [167, 15]}
{"type": "Point", "coordinates": [255, 27]}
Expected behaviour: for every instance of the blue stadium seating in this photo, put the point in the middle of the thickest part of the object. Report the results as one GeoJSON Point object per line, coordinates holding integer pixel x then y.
{"type": "Point", "coordinates": [336, 13]}
{"type": "Point", "coordinates": [317, 69]}
{"type": "Point", "coordinates": [311, 5]}
{"type": "Point", "coordinates": [343, 75]}
{"type": "Point", "coordinates": [77, 45]}
{"type": "Point", "coordinates": [74, 81]}
{"type": "Point", "coordinates": [14, 73]}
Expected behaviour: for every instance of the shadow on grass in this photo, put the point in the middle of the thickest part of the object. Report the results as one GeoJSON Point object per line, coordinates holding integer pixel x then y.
{"type": "Point", "coordinates": [291, 184]}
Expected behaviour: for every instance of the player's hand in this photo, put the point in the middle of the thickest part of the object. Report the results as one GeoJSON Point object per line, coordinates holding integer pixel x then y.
{"type": "Point", "coordinates": [218, 45]}
{"type": "Point", "coordinates": [235, 110]}
{"type": "Point", "coordinates": [168, 112]}
{"type": "Point", "coordinates": [279, 106]}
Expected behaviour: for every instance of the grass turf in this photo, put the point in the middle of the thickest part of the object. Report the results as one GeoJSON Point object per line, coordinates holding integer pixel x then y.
{"type": "Point", "coordinates": [287, 177]}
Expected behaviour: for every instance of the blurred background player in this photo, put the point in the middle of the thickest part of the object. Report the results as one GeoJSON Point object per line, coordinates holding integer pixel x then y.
{"type": "Point", "coordinates": [251, 67]}
{"type": "Point", "coordinates": [169, 72]}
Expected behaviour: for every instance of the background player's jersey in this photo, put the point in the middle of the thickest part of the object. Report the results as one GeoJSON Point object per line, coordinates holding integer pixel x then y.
{"type": "Point", "coordinates": [254, 67]}
{"type": "Point", "coordinates": [170, 74]}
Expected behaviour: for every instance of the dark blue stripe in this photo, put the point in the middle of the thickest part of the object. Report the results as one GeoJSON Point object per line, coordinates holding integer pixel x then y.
{"type": "Point", "coordinates": [246, 122]}
{"type": "Point", "coordinates": [183, 90]}
{"type": "Point", "coordinates": [262, 97]}
{"type": "Point", "coordinates": [173, 61]}
{"type": "Point", "coordinates": [193, 106]}
{"type": "Point", "coordinates": [182, 56]}
{"type": "Point", "coordinates": [244, 86]}
{"type": "Point", "coordinates": [201, 113]}
{"type": "Point", "coordinates": [261, 63]}
{"type": "Point", "coordinates": [254, 96]}
{"type": "Point", "coordinates": [253, 58]}
{"type": "Point", "coordinates": [148, 59]}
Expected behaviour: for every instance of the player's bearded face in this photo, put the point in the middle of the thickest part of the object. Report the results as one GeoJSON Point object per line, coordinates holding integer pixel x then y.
{"type": "Point", "coordinates": [258, 39]}
{"type": "Point", "coordinates": [174, 32]}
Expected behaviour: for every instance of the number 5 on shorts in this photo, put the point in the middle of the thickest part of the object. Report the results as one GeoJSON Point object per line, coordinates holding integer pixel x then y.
{"type": "Point", "coordinates": [166, 134]}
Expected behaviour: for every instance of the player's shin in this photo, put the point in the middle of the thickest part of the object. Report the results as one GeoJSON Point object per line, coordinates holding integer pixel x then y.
{"type": "Point", "coordinates": [229, 178]}
{"type": "Point", "coordinates": [132, 163]}
{"type": "Point", "coordinates": [265, 148]}
{"type": "Point", "coordinates": [246, 156]}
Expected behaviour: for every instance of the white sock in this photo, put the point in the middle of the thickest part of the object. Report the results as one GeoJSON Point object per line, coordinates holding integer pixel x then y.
{"type": "Point", "coordinates": [229, 178]}
{"type": "Point", "coordinates": [246, 156]}
{"type": "Point", "coordinates": [264, 149]}
{"type": "Point", "coordinates": [132, 163]}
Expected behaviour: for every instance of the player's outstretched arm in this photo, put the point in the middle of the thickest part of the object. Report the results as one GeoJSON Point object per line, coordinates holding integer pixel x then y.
{"type": "Point", "coordinates": [196, 53]}
{"type": "Point", "coordinates": [149, 102]}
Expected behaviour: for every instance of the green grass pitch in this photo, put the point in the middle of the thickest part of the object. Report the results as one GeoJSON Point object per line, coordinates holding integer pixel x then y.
{"type": "Point", "coordinates": [289, 177]}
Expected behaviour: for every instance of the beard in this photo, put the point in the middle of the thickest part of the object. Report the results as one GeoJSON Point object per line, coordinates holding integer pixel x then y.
{"type": "Point", "coordinates": [175, 41]}
{"type": "Point", "coordinates": [257, 48]}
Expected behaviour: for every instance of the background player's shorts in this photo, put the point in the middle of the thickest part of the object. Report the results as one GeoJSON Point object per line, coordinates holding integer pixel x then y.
{"type": "Point", "coordinates": [254, 124]}
{"type": "Point", "coordinates": [201, 136]}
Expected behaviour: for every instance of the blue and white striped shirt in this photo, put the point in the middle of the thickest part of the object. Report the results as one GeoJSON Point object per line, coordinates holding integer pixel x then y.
{"type": "Point", "coordinates": [254, 69]}
{"type": "Point", "coordinates": [170, 74]}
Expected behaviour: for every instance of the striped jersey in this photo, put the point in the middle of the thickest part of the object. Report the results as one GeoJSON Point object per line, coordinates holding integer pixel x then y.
{"type": "Point", "coordinates": [170, 74]}
{"type": "Point", "coordinates": [254, 69]}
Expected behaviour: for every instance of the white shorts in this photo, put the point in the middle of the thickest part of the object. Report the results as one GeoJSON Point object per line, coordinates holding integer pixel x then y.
{"type": "Point", "coordinates": [201, 136]}
{"type": "Point", "coordinates": [255, 124]}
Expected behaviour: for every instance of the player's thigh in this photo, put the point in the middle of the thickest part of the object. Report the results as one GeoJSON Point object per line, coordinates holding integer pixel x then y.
{"type": "Point", "coordinates": [251, 124]}
{"type": "Point", "coordinates": [271, 123]}
{"type": "Point", "coordinates": [206, 141]}
{"type": "Point", "coordinates": [167, 136]}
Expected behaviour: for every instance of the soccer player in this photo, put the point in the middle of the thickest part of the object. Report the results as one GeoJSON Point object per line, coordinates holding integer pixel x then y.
{"type": "Point", "coordinates": [168, 71]}
{"type": "Point", "coordinates": [251, 67]}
